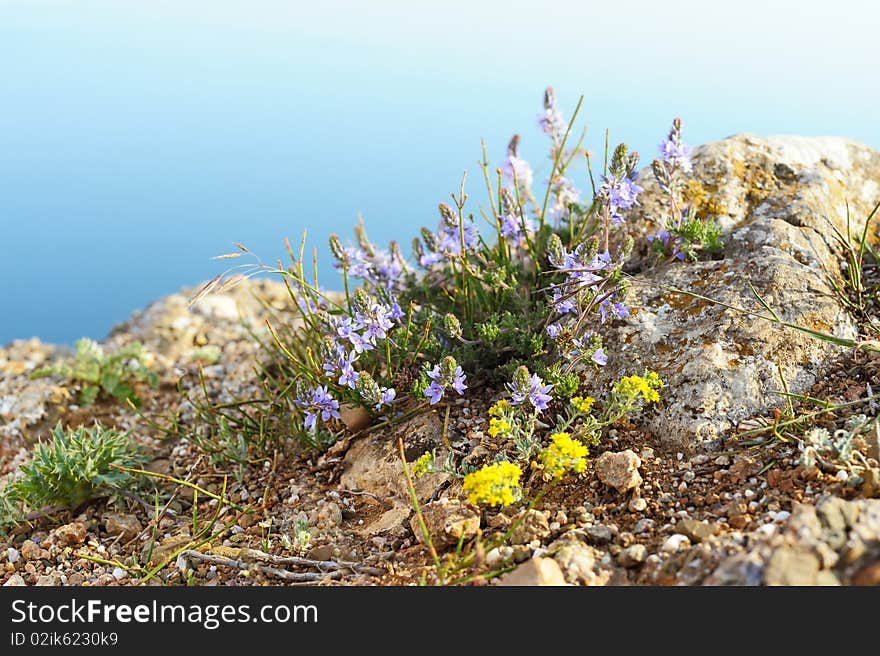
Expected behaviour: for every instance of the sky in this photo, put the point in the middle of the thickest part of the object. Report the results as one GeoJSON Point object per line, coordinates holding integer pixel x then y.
{"type": "Point", "coordinates": [139, 139]}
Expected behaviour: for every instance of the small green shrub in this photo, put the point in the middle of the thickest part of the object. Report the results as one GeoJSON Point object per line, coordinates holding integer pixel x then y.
{"type": "Point", "coordinates": [115, 374]}
{"type": "Point", "coordinates": [74, 467]}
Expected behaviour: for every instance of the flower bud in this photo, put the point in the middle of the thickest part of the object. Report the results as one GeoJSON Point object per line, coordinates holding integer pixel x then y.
{"type": "Point", "coordinates": [368, 388]}
{"type": "Point", "coordinates": [430, 240]}
{"type": "Point", "coordinates": [337, 249]}
{"type": "Point", "coordinates": [448, 365]}
{"type": "Point", "coordinates": [555, 250]}
{"type": "Point", "coordinates": [448, 215]}
{"type": "Point", "coordinates": [452, 326]}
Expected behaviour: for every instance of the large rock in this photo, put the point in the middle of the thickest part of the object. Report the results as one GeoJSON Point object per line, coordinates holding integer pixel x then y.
{"type": "Point", "coordinates": [372, 462]}
{"type": "Point", "coordinates": [776, 199]}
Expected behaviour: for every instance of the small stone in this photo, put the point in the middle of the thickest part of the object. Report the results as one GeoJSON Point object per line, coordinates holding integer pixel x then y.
{"type": "Point", "coordinates": [619, 470]}
{"type": "Point", "coordinates": [48, 580]}
{"type": "Point", "coordinates": [599, 534]}
{"type": "Point", "coordinates": [323, 552]}
{"type": "Point", "coordinates": [637, 504]}
{"type": "Point", "coordinates": [447, 521]}
{"type": "Point", "coordinates": [675, 542]}
{"type": "Point", "coordinates": [695, 531]}
{"type": "Point", "coordinates": [15, 580]}
{"type": "Point", "coordinates": [576, 561]}
{"type": "Point", "coordinates": [633, 556]}
{"type": "Point", "coordinates": [12, 555]}
{"type": "Point", "coordinates": [126, 526]}
{"type": "Point", "coordinates": [534, 572]}
{"type": "Point", "coordinates": [70, 534]}
{"type": "Point", "coordinates": [791, 566]}
{"type": "Point", "coordinates": [643, 525]}
{"type": "Point", "coordinates": [533, 525]}
{"type": "Point", "coordinates": [30, 550]}
{"type": "Point", "coordinates": [355, 417]}
{"type": "Point", "coordinates": [119, 573]}
{"type": "Point", "coordinates": [499, 556]}
{"type": "Point", "coordinates": [329, 515]}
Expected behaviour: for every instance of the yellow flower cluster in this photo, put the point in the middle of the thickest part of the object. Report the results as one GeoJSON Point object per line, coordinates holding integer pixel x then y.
{"type": "Point", "coordinates": [564, 454]}
{"type": "Point", "coordinates": [583, 403]}
{"type": "Point", "coordinates": [494, 485]}
{"type": "Point", "coordinates": [421, 466]}
{"type": "Point", "coordinates": [498, 427]}
{"type": "Point", "coordinates": [499, 408]}
{"type": "Point", "coordinates": [646, 386]}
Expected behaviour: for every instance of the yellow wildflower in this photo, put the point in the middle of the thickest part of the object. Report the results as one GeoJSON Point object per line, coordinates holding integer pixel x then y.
{"type": "Point", "coordinates": [583, 403]}
{"type": "Point", "coordinates": [494, 485]}
{"type": "Point", "coordinates": [498, 427]}
{"type": "Point", "coordinates": [563, 455]}
{"type": "Point", "coordinates": [646, 387]}
{"type": "Point", "coordinates": [499, 408]}
{"type": "Point", "coordinates": [421, 466]}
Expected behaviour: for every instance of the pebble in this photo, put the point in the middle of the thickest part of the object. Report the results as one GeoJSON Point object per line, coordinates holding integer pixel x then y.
{"type": "Point", "coordinates": [534, 572]}
{"type": "Point", "coordinates": [637, 504]}
{"type": "Point", "coordinates": [498, 556]}
{"type": "Point", "coordinates": [15, 580]}
{"type": "Point", "coordinates": [675, 542]}
{"type": "Point", "coordinates": [12, 555]}
{"type": "Point", "coordinates": [119, 573]}
{"type": "Point", "coordinates": [633, 556]}
{"type": "Point", "coordinates": [599, 534]}
{"type": "Point", "coordinates": [619, 470]}
{"type": "Point", "coordinates": [643, 525]}
{"type": "Point", "coordinates": [533, 526]}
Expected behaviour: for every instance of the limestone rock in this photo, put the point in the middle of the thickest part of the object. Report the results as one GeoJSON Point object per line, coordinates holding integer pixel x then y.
{"type": "Point", "coordinates": [534, 572]}
{"type": "Point", "coordinates": [372, 463]}
{"type": "Point", "coordinates": [619, 470]}
{"type": "Point", "coordinates": [126, 526]}
{"type": "Point", "coordinates": [577, 562]}
{"type": "Point", "coordinates": [533, 525]}
{"type": "Point", "coordinates": [447, 521]}
{"type": "Point", "coordinates": [70, 534]}
{"type": "Point", "coordinates": [776, 199]}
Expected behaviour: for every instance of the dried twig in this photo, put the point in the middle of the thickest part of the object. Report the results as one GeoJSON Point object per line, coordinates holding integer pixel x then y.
{"type": "Point", "coordinates": [246, 559]}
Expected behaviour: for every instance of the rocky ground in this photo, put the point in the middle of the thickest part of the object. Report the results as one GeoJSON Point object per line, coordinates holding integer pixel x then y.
{"type": "Point", "coordinates": [676, 497]}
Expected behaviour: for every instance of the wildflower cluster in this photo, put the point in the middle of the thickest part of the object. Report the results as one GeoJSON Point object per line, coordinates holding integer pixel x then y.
{"type": "Point", "coordinates": [563, 455]}
{"type": "Point", "coordinates": [447, 374]}
{"type": "Point", "coordinates": [528, 282]}
{"type": "Point", "coordinates": [684, 235]}
{"type": "Point", "coordinates": [631, 393]}
{"type": "Point", "coordinates": [494, 485]}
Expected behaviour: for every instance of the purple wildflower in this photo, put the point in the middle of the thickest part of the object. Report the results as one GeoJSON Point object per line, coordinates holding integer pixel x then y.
{"type": "Point", "coordinates": [533, 390]}
{"type": "Point", "coordinates": [318, 402]}
{"type": "Point", "coordinates": [620, 193]}
{"type": "Point", "coordinates": [512, 228]}
{"type": "Point", "coordinates": [443, 376]}
{"type": "Point", "coordinates": [600, 357]}
{"type": "Point", "coordinates": [434, 392]}
{"type": "Point", "coordinates": [673, 151]}
{"type": "Point", "coordinates": [450, 236]}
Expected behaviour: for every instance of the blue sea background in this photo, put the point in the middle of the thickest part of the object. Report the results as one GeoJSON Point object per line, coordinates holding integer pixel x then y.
{"type": "Point", "coordinates": [139, 139]}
